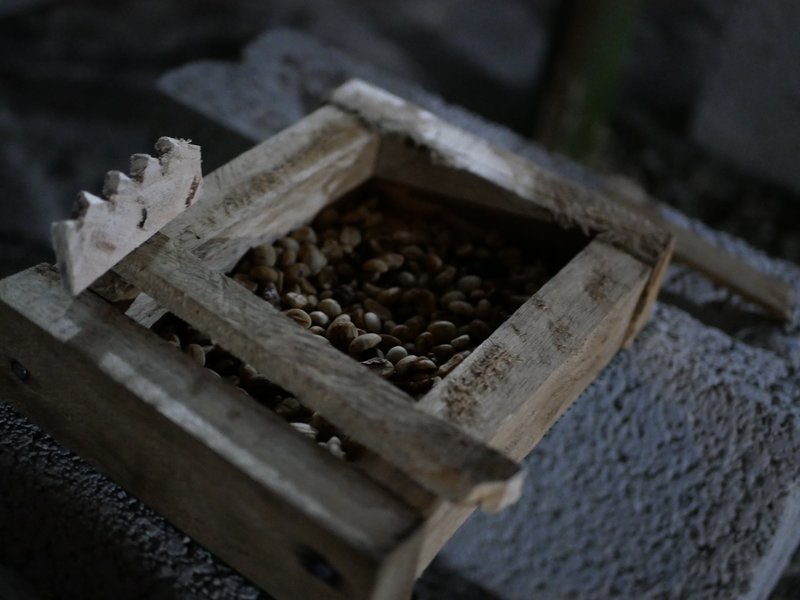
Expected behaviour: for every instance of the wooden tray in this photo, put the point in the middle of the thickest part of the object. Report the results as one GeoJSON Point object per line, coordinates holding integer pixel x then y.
{"type": "Point", "coordinates": [287, 514]}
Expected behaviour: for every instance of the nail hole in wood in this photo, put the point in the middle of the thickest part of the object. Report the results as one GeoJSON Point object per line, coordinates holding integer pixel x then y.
{"type": "Point", "coordinates": [20, 371]}
{"type": "Point", "coordinates": [318, 566]}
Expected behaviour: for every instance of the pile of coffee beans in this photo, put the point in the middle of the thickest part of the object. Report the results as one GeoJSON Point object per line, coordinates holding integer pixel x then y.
{"type": "Point", "coordinates": [408, 295]}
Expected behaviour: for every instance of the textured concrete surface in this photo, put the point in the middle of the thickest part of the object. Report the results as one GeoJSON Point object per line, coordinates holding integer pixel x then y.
{"type": "Point", "coordinates": [672, 476]}
{"type": "Point", "coordinates": [753, 119]}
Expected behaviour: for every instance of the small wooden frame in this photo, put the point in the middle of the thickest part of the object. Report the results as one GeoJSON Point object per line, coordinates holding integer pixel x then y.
{"type": "Point", "coordinates": [294, 519]}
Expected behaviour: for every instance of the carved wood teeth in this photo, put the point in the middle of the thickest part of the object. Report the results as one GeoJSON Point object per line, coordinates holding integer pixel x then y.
{"type": "Point", "coordinates": [103, 229]}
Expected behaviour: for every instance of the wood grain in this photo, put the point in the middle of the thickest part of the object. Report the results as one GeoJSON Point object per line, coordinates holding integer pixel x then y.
{"type": "Point", "coordinates": [772, 294]}
{"type": "Point", "coordinates": [450, 147]}
{"type": "Point", "coordinates": [104, 230]}
{"type": "Point", "coordinates": [276, 187]}
{"type": "Point", "coordinates": [511, 390]}
{"type": "Point", "coordinates": [228, 472]}
{"type": "Point", "coordinates": [269, 190]}
{"type": "Point", "coordinates": [433, 452]}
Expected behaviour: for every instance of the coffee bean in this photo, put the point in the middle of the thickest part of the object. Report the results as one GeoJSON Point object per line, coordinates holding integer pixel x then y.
{"type": "Point", "coordinates": [288, 257]}
{"type": "Point", "coordinates": [461, 308]}
{"type": "Point", "coordinates": [197, 353]}
{"type": "Point", "coordinates": [451, 296]}
{"type": "Point", "coordinates": [388, 342]}
{"type": "Point", "coordinates": [350, 236]}
{"type": "Point", "coordinates": [403, 365]}
{"type": "Point", "coordinates": [461, 342]}
{"type": "Point", "coordinates": [478, 330]}
{"type": "Point", "coordinates": [294, 300]}
{"type": "Point", "coordinates": [330, 307]}
{"type": "Point", "coordinates": [364, 342]}
{"type": "Point", "coordinates": [340, 333]}
{"type": "Point", "coordinates": [396, 353]}
{"type": "Point", "coordinates": [288, 243]}
{"type": "Point", "coordinates": [305, 234]}
{"type": "Point", "coordinates": [372, 322]}
{"type": "Point", "coordinates": [296, 273]}
{"type": "Point", "coordinates": [379, 309]}
{"type": "Point", "coordinates": [374, 268]}
{"type": "Point", "coordinates": [468, 283]}
{"type": "Point", "coordinates": [442, 331]}
{"type": "Point", "coordinates": [319, 318]}
{"type": "Point", "coordinates": [424, 342]}
{"type": "Point", "coordinates": [443, 352]}
{"type": "Point", "coordinates": [264, 255]}
{"type": "Point", "coordinates": [380, 366]}
{"type": "Point", "coordinates": [299, 316]}
{"type": "Point", "coordinates": [450, 365]}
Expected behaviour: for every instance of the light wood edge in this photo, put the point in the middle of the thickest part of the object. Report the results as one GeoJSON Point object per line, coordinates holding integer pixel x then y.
{"type": "Point", "coordinates": [276, 186]}
{"type": "Point", "coordinates": [228, 472]}
{"type": "Point", "coordinates": [600, 328]}
{"type": "Point", "coordinates": [433, 452]}
{"type": "Point", "coordinates": [721, 267]}
{"type": "Point", "coordinates": [269, 190]}
{"type": "Point", "coordinates": [644, 309]}
{"type": "Point", "coordinates": [569, 204]}
{"type": "Point", "coordinates": [104, 230]}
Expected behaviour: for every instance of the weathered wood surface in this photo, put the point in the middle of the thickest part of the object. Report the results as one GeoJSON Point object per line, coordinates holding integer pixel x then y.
{"type": "Point", "coordinates": [772, 294]}
{"type": "Point", "coordinates": [276, 186]}
{"type": "Point", "coordinates": [102, 231]}
{"type": "Point", "coordinates": [433, 452]}
{"type": "Point", "coordinates": [513, 388]}
{"type": "Point", "coordinates": [565, 202]}
{"type": "Point", "coordinates": [230, 473]}
{"type": "Point", "coordinates": [398, 163]}
{"type": "Point", "coordinates": [269, 190]}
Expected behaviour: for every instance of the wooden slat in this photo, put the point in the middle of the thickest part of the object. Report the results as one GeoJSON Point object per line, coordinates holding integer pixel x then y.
{"type": "Point", "coordinates": [566, 202]}
{"type": "Point", "coordinates": [431, 451]}
{"type": "Point", "coordinates": [276, 186]}
{"type": "Point", "coordinates": [511, 389]}
{"type": "Point", "coordinates": [225, 470]}
{"type": "Point", "coordinates": [269, 190]}
{"type": "Point", "coordinates": [721, 267]}
{"type": "Point", "coordinates": [400, 164]}
{"type": "Point", "coordinates": [104, 230]}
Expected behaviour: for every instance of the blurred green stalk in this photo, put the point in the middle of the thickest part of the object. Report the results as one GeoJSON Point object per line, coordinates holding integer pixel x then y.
{"type": "Point", "coordinates": [581, 78]}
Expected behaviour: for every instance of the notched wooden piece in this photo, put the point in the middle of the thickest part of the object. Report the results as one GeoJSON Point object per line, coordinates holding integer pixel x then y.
{"type": "Point", "coordinates": [103, 230]}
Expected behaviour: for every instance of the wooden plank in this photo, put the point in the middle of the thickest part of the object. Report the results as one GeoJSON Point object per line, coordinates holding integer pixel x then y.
{"type": "Point", "coordinates": [513, 387]}
{"type": "Point", "coordinates": [269, 190]}
{"type": "Point", "coordinates": [721, 267]}
{"type": "Point", "coordinates": [276, 187]}
{"type": "Point", "coordinates": [567, 203]}
{"type": "Point", "coordinates": [434, 453]}
{"type": "Point", "coordinates": [103, 231]}
{"type": "Point", "coordinates": [227, 471]}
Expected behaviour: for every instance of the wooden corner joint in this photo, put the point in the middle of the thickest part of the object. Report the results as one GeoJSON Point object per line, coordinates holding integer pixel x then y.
{"type": "Point", "coordinates": [103, 230]}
